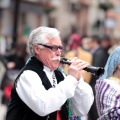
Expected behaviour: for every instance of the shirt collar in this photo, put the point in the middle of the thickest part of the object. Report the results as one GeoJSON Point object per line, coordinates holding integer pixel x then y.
{"type": "Point", "coordinates": [46, 69]}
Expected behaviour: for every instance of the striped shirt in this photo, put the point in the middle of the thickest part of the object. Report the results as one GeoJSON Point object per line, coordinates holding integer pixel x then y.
{"type": "Point", "coordinates": [108, 99]}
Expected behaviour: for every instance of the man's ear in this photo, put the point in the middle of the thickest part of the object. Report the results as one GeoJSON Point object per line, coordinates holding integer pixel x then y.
{"type": "Point", "coordinates": [36, 49]}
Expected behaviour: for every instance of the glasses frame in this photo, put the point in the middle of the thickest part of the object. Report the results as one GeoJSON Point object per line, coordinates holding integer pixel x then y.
{"type": "Point", "coordinates": [52, 47]}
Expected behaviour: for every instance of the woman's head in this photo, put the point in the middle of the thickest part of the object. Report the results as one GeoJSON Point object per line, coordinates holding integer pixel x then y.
{"type": "Point", "coordinates": [74, 42]}
{"type": "Point", "coordinates": [112, 63]}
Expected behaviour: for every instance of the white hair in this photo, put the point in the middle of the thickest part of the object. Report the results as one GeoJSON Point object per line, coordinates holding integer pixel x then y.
{"type": "Point", "coordinates": [41, 35]}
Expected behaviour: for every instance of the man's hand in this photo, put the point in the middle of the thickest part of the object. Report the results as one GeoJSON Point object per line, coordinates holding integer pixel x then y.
{"type": "Point", "coordinates": [76, 67]}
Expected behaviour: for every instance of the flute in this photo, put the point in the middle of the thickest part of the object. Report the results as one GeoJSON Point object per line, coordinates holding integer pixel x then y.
{"type": "Point", "coordinates": [97, 71]}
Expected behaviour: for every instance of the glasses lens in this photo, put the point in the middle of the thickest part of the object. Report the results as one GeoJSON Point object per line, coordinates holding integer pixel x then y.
{"type": "Point", "coordinates": [61, 47]}
{"type": "Point", "coordinates": [55, 48]}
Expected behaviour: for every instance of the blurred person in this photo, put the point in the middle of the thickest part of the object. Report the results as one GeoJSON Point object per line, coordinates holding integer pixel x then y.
{"type": "Point", "coordinates": [97, 52]}
{"type": "Point", "coordinates": [108, 89]}
{"type": "Point", "coordinates": [16, 58]}
{"type": "Point", "coordinates": [9, 41]}
{"type": "Point", "coordinates": [75, 50]}
{"type": "Point", "coordinates": [14, 61]}
{"type": "Point", "coordinates": [105, 42]}
{"type": "Point", "coordinates": [41, 90]}
{"type": "Point", "coordinates": [115, 43]}
{"type": "Point", "coordinates": [86, 43]}
{"type": "Point", "coordinates": [99, 60]}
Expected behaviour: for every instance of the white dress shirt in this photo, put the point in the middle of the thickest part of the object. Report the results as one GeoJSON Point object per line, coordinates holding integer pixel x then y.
{"type": "Point", "coordinates": [42, 101]}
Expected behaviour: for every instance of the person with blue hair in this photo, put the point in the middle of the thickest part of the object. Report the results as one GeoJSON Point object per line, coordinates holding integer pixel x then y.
{"type": "Point", "coordinates": [108, 89]}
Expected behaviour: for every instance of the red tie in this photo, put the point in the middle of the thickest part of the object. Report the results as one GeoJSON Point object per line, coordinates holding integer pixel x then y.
{"type": "Point", "coordinates": [58, 115]}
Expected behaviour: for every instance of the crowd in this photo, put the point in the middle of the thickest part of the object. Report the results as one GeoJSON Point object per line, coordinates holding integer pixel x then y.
{"type": "Point", "coordinates": [46, 98]}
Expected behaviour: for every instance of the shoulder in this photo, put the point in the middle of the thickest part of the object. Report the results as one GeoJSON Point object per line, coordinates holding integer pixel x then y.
{"type": "Point", "coordinates": [100, 50]}
{"type": "Point", "coordinates": [84, 52]}
{"type": "Point", "coordinates": [29, 73]}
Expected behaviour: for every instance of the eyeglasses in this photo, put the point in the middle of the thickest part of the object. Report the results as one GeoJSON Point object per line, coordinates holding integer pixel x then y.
{"type": "Point", "coordinates": [53, 47]}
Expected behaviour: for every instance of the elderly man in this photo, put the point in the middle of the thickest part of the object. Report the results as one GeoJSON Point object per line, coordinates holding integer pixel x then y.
{"type": "Point", "coordinates": [42, 91]}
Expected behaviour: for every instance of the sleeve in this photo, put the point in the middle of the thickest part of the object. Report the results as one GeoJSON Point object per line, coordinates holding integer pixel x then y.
{"type": "Point", "coordinates": [107, 99]}
{"type": "Point", "coordinates": [82, 100]}
{"type": "Point", "coordinates": [42, 101]}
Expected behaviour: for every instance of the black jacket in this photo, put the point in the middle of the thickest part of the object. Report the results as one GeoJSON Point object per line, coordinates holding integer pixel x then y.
{"type": "Point", "coordinates": [18, 110]}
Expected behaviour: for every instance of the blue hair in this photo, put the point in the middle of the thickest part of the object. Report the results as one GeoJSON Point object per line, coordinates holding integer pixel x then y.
{"type": "Point", "coordinates": [112, 63]}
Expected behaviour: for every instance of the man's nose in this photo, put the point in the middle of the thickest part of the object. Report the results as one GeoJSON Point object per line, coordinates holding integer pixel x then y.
{"type": "Point", "coordinates": [58, 52]}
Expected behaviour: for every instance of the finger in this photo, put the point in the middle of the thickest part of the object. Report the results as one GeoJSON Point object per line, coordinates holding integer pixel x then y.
{"type": "Point", "coordinates": [73, 60]}
{"type": "Point", "coordinates": [81, 66]}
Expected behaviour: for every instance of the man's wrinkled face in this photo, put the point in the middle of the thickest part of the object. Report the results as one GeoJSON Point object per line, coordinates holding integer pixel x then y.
{"type": "Point", "coordinates": [50, 54]}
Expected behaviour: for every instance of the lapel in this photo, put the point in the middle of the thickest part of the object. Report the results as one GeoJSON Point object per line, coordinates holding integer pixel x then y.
{"type": "Point", "coordinates": [35, 65]}
{"type": "Point", "coordinates": [59, 76]}
{"type": "Point", "coordinates": [45, 81]}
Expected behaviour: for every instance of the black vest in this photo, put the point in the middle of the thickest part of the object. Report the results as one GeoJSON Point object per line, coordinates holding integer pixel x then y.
{"type": "Point", "coordinates": [18, 110]}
